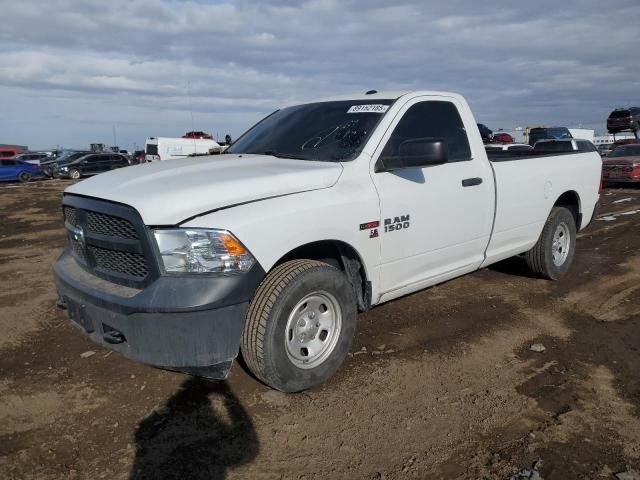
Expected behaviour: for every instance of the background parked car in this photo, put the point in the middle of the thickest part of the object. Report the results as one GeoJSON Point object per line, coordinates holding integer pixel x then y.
{"type": "Point", "coordinates": [502, 137]}
{"type": "Point", "coordinates": [548, 133]}
{"type": "Point", "coordinates": [625, 141]}
{"type": "Point", "coordinates": [604, 149]}
{"type": "Point", "coordinates": [92, 164]}
{"type": "Point", "coordinates": [34, 158]}
{"type": "Point", "coordinates": [137, 157]}
{"type": "Point", "coordinates": [622, 119]}
{"type": "Point", "coordinates": [197, 134]}
{"type": "Point", "coordinates": [50, 167]}
{"type": "Point", "coordinates": [486, 133]}
{"type": "Point", "coordinates": [564, 145]}
{"type": "Point", "coordinates": [8, 152]}
{"type": "Point", "coordinates": [622, 165]}
{"type": "Point", "coordinates": [12, 170]}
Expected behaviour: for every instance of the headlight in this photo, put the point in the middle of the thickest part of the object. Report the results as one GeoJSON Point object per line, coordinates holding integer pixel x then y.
{"type": "Point", "coordinates": [64, 169]}
{"type": "Point", "coordinates": [202, 251]}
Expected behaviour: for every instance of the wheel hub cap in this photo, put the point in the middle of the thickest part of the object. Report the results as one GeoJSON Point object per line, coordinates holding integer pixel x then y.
{"type": "Point", "coordinates": [313, 329]}
{"type": "Point", "coordinates": [561, 244]}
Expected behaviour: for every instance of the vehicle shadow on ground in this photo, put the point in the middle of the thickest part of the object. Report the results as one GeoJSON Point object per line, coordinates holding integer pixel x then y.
{"type": "Point", "coordinates": [513, 266]}
{"type": "Point", "coordinates": [201, 432]}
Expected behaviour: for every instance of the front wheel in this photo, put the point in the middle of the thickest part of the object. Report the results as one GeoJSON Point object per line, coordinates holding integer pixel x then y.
{"type": "Point", "coordinates": [75, 174]}
{"type": "Point", "coordinates": [553, 254]}
{"type": "Point", "coordinates": [24, 177]}
{"type": "Point", "coordinates": [300, 325]}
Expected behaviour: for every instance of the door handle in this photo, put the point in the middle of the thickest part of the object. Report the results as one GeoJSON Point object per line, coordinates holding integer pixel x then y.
{"type": "Point", "coordinates": [470, 182]}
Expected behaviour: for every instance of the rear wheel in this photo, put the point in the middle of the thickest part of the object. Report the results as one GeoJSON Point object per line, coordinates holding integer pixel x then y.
{"type": "Point", "coordinates": [24, 177]}
{"type": "Point", "coordinates": [74, 173]}
{"type": "Point", "coordinates": [553, 254]}
{"type": "Point", "coordinates": [300, 325]}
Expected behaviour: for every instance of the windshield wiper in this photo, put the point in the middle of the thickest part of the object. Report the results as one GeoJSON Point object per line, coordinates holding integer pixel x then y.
{"type": "Point", "coordinates": [282, 155]}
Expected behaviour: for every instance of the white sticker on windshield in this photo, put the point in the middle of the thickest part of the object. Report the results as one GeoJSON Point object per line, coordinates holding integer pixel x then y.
{"type": "Point", "coordinates": [378, 108]}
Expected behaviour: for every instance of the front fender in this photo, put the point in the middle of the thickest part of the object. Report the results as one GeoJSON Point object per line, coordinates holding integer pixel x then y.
{"type": "Point", "coordinates": [274, 227]}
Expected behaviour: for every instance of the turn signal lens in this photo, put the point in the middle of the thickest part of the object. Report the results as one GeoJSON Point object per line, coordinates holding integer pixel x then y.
{"type": "Point", "coordinates": [233, 246]}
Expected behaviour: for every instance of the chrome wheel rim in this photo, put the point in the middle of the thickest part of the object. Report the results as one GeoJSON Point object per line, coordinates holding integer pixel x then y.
{"type": "Point", "coordinates": [75, 174]}
{"type": "Point", "coordinates": [313, 329]}
{"type": "Point", "coordinates": [561, 244]}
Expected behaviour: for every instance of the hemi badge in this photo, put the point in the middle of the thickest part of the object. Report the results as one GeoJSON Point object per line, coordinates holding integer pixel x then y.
{"type": "Point", "coordinates": [369, 225]}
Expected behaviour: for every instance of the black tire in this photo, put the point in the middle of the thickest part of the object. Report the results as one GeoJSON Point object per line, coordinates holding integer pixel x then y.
{"type": "Point", "coordinates": [24, 177]}
{"type": "Point", "coordinates": [540, 258]}
{"type": "Point", "coordinates": [264, 340]}
{"type": "Point", "coordinates": [74, 174]}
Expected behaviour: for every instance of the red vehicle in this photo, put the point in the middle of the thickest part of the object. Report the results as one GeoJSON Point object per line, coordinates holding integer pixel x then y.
{"type": "Point", "coordinates": [8, 152]}
{"type": "Point", "coordinates": [502, 137]}
{"type": "Point", "coordinates": [622, 164]}
{"type": "Point", "coordinates": [196, 134]}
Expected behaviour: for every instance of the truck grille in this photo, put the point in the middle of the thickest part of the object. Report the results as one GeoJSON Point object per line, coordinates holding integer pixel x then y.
{"type": "Point", "coordinates": [126, 263]}
{"type": "Point", "coordinates": [110, 225]}
{"type": "Point", "coordinates": [109, 245]}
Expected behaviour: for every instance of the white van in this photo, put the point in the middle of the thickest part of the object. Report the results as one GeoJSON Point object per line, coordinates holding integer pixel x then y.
{"type": "Point", "coordinates": [168, 148]}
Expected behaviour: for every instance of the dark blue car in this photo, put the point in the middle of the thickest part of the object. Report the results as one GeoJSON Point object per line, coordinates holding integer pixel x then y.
{"type": "Point", "coordinates": [12, 170]}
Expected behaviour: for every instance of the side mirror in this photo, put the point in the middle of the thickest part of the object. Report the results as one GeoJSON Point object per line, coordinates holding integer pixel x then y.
{"type": "Point", "coordinates": [415, 153]}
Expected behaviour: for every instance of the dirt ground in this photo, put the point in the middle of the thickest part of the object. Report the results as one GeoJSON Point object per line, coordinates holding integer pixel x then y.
{"type": "Point", "coordinates": [439, 384]}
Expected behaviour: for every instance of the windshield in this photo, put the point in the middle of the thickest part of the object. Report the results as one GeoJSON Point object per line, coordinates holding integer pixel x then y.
{"type": "Point", "coordinates": [627, 151]}
{"type": "Point", "coordinates": [326, 131]}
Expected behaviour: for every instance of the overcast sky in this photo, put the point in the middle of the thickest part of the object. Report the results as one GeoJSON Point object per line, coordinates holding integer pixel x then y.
{"type": "Point", "coordinates": [71, 70]}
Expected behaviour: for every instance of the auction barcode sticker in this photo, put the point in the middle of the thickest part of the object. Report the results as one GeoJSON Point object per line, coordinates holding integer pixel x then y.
{"type": "Point", "coordinates": [378, 108]}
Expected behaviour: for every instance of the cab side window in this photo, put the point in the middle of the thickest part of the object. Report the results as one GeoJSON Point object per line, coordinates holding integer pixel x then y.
{"type": "Point", "coordinates": [435, 120]}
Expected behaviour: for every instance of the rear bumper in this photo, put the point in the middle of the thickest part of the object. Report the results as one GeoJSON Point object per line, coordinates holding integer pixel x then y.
{"type": "Point", "coordinates": [192, 325]}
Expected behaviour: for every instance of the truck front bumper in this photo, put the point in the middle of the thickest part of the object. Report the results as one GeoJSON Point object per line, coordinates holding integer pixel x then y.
{"type": "Point", "coordinates": [182, 323]}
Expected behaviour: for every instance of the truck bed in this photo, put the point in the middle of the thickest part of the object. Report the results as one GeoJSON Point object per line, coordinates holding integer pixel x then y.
{"type": "Point", "coordinates": [507, 156]}
{"type": "Point", "coordinates": [526, 192]}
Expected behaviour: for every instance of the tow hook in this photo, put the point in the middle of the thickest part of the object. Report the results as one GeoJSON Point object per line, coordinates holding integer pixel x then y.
{"type": "Point", "coordinates": [113, 336]}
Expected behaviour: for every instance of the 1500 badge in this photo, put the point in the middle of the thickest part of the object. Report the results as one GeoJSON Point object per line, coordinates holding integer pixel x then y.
{"type": "Point", "coordinates": [390, 225]}
{"type": "Point", "coordinates": [397, 223]}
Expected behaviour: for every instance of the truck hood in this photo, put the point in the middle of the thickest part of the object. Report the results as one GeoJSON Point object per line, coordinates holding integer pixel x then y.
{"type": "Point", "coordinates": [171, 191]}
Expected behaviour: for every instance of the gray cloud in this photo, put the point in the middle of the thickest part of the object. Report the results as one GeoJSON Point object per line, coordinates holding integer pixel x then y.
{"type": "Point", "coordinates": [70, 70]}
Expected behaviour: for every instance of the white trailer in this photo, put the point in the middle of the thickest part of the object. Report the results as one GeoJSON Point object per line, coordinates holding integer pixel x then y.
{"type": "Point", "coordinates": [583, 133]}
{"type": "Point", "coordinates": [169, 148]}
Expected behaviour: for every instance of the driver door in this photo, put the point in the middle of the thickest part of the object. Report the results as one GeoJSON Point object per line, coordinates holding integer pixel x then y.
{"type": "Point", "coordinates": [435, 220]}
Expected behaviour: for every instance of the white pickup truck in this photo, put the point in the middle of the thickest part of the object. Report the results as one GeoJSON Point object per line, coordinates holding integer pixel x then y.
{"type": "Point", "coordinates": [317, 212]}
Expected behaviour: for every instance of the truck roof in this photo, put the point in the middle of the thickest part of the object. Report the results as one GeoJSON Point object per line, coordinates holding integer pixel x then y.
{"type": "Point", "coordinates": [385, 95]}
